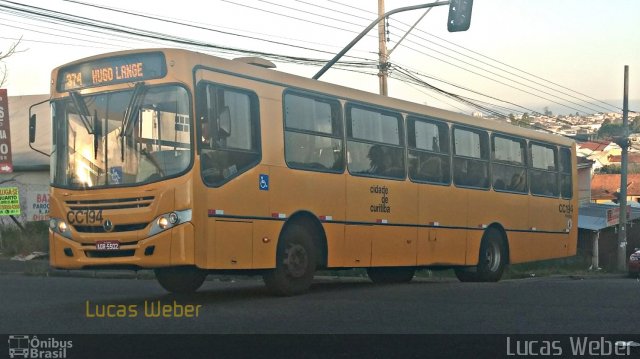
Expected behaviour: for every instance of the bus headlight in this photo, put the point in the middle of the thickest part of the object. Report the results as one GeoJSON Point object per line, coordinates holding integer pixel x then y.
{"type": "Point", "coordinates": [163, 222]}
{"type": "Point", "coordinates": [169, 220]}
{"type": "Point", "coordinates": [59, 226]}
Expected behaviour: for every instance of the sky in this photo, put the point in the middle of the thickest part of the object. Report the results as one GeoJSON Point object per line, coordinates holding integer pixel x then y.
{"type": "Point", "coordinates": [517, 56]}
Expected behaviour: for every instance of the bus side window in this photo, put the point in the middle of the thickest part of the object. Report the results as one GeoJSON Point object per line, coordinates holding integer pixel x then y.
{"type": "Point", "coordinates": [375, 146]}
{"type": "Point", "coordinates": [230, 134]}
{"type": "Point", "coordinates": [508, 163]}
{"type": "Point", "coordinates": [566, 190]}
{"type": "Point", "coordinates": [313, 133]}
{"type": "Point", "coordinates": [544, 175]}
{"type": "Point", "coordinates": [471, 157]}
{"type": "Point", "coordinates": [428, 142]}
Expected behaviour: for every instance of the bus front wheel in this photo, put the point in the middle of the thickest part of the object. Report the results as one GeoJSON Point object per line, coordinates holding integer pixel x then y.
{"type": "Point", "coordinates": [180, 280]}
{"type": "Point", "coordinates": [386, 275]}
{"type": "Point", "coordinates": [492, 260]}
{"type": "Point", "coordinates": [295, 263]}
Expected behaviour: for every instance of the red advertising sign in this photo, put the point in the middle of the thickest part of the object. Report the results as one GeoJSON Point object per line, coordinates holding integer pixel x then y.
{"type": "Point", "coordinates": [6, 166]}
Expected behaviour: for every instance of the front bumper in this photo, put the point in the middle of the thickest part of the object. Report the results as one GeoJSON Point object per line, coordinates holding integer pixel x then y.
{"type": "Point", "coordinates": [168, 248]}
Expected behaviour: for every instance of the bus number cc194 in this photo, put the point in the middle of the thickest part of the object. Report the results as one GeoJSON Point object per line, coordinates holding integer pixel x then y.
{"type": "Point", "coordinates": [85, 216]}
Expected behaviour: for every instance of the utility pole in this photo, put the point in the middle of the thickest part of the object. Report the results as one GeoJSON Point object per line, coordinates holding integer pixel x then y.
{"type": "Point", "coordinates": [624, 143]}
{"type": "Point", "coordinates": [383, 65]}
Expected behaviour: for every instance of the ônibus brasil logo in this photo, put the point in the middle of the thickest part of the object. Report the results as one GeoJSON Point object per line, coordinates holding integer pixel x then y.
{"type": "Point", "coordinates": [32, 347]}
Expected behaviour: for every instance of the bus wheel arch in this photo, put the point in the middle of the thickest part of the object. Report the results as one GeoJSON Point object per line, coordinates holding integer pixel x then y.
{"type": "Point", "coordinates": [313, 225]}
{"type": "Point", "coordinates": [299, 252]}
{"type": "Point", "coordinates": [180, 280]}
{"type": "Point", "coordinates": [493, 257]}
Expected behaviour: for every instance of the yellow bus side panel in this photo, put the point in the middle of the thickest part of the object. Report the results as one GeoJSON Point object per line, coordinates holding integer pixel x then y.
{"type": "Point", "coordinates": [182, 245]}
{"type": "Point", "coordinates": [321, 194]}
{"type": "Point", "coordinates": [526, 247]}
{"type": "Point", "coordinates": [335, 244]}
{"type": "Point", "coordinates": [441, 246]}
{"type": "Point", "coordinates": [233, 245]}
{"type": "Point", "coordinates": [544, 214]}
{"type": "Point", "coordinates": [474, 237]}
{"type": "Point", "coordinates": [393, 246]}
{"type": "Point", "coordinates": [264, 254]}
{"type": "Point", "coordinates": [442, 206]}
{"type": "Point", "coordinates": [357, 246]}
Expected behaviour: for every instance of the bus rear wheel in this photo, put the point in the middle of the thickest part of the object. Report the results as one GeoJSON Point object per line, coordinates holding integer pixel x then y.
{"type": "Point", "coordinates": [180, 280]}
{"type": "Point", "coordinates": [492, 260]}
{"type": "Point", "coordinates": [386, 275]}
{"type": "Point", "coordinates": [295, 263]}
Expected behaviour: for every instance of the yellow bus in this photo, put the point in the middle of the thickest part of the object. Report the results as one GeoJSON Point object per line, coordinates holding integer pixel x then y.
{"type": "Point", "coordinates": [191, 164]}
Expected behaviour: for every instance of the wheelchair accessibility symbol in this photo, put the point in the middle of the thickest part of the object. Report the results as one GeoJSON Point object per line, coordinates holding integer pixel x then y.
{"type": "Point", "coordinates": [264, 182]}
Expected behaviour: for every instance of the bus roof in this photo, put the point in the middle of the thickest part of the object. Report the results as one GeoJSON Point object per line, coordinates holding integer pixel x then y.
{"type": "Point", "coordinates": [259, 73]}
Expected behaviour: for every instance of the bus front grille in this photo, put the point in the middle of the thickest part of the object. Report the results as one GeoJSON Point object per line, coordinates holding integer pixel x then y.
{"type": "Point", "coordinates": [116, 228]}
{"type": "Point", "coordinates": [110, 254]}
{"type": "Point", "coordinates": [104, 204]}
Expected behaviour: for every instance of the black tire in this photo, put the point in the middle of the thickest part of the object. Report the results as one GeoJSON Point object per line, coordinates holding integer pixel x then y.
{"type": "Point", "coordinates": [180, 280]}
{"type": "Point", "coordinates": [465, 274]}
{"type": "Point", "coordinates": [386, 275]}
{"type": "Point", "coordinates": [296, 261]}
{"type": "Point", "coordinates": [492, 260]}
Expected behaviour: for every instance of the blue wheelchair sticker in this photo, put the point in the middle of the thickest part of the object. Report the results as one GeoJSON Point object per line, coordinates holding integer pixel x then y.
{"type": "Point", "coordinates": [115, 175]}
{"type": "Point", "coordinates": [264, 182]}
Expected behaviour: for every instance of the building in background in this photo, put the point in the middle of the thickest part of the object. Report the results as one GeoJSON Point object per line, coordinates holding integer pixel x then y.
{"type": "Point", "coordinates": [30, 168]}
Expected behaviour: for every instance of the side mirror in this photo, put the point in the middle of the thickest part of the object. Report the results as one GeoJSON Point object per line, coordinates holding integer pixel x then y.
{"type": "Point", "coordinates": [459, 15]}
{"type": "Point", "coordinates": [32, 128]}
{"type": "Point", "coordinates": [224, 123]}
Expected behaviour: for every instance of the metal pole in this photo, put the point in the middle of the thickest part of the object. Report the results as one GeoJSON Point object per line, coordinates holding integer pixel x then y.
{"type": "Point", "coordinates": [622, 233]}
{"type": "Point", "coordinates": [366, 30]}
{"type": "Point", "coordinates": [382, 52]}
{"type": "Point", "coordinates": [595, 259]}
{"type": "Point", "coordinates": [408, 31]}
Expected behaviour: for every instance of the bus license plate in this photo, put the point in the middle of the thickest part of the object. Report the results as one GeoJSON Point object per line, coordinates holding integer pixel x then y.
{"type": "Point", "coordinates": [107, 245]}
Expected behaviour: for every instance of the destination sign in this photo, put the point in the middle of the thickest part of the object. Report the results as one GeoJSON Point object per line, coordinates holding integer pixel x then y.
{"type": "Point", "coordinates": [112, 70]}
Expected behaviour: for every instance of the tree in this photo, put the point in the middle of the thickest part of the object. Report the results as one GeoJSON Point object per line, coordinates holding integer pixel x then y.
{"type": "Point", "coordinates": [610, 130]}
{"type": "Point", "coordinates": [13, 49]}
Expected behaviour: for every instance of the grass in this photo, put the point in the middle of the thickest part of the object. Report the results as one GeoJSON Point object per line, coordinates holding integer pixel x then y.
{"type": "Point", "coordinates": [14, 241]}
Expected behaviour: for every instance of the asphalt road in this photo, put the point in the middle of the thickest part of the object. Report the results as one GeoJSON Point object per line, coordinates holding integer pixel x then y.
{"type": "Point", "coordinates": [554, 305]}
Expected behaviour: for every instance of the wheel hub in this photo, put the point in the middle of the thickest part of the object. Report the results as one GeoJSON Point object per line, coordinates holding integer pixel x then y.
{"type": "Point", "coordinates": [296, 260]}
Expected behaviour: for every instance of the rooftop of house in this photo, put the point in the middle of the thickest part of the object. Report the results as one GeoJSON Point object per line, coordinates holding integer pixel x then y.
{"type": "Point", "coordinates": [603, 186]}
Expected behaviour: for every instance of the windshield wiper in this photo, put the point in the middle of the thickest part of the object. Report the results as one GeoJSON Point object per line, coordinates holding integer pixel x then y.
{"type": "Point", "coordinates": [83, 111]}
{"type": "Point", "coordinates": [131, 113]}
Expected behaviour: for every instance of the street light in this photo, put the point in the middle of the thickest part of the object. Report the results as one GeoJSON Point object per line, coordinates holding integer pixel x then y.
{"type": "Point", "coordinates": [459, 20]}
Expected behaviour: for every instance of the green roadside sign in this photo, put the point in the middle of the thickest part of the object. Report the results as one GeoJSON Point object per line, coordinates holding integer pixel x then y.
{"type": "Point", "coordinates": [9, 201]}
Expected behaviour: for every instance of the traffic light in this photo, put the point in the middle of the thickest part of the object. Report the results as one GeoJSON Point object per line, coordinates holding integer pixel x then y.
{"type": "Point", "coordinates": [459, 15]}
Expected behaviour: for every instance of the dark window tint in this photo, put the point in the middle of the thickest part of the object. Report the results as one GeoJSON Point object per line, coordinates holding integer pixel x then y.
{"type": "Point", "coordinates": [543, 175]}
{"type": "Point", "coordinates": [229, 132]}
{"type": "Point", "coordinates": [508, 170]}
{"type": "Point", "coordinates": [428, 157]}
{"type": "Point", "coordinates": [470, 157]}
{"type": "Point", "coordinates": [566, 188]}
{"type": "Point", "coordinates": [313, 136]}
{"type": "Point", "coordinates": [375, 146]}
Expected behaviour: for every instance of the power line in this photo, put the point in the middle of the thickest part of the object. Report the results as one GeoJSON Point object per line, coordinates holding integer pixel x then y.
{"type": "Point", "coordinates": [164, 19]}
{"type": "Point", "coordinates": [497, 61]}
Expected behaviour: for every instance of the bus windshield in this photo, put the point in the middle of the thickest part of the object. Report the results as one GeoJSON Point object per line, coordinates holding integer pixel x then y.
{"type": "Point", "coordinates": [91, 148]}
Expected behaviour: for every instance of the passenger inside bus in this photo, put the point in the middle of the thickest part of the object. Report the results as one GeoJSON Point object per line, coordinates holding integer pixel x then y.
{"type": "Point", "coordinates": [385, 161]}
{"type": "Point", "coordinates": [431, 170]}
{"type": "Point", "coordinates": [518, 182]}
